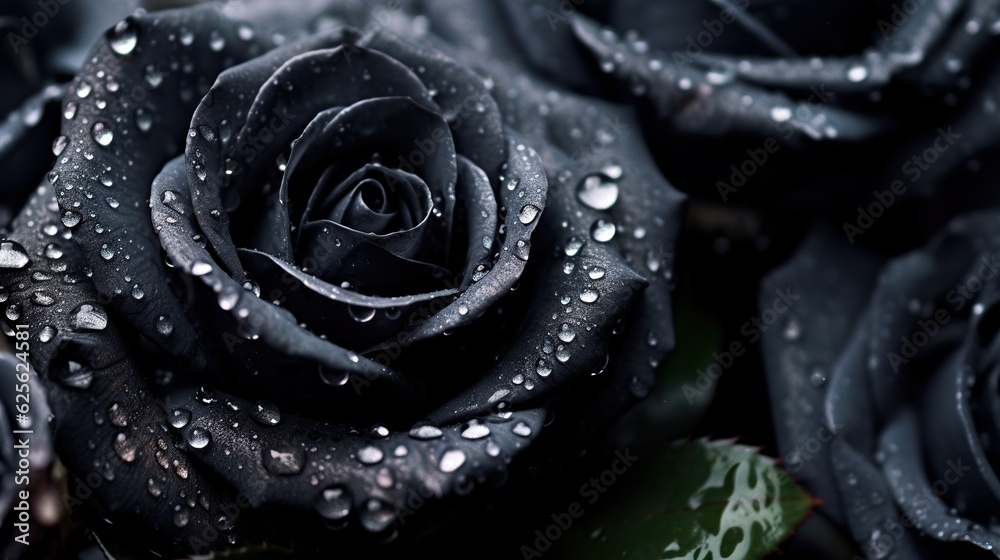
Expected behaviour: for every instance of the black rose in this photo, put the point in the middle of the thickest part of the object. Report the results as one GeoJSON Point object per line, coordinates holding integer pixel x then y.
{"type": "Point", "coordinates": [288, 274]}
{"type": "Point", "coordinates": [883, 385]}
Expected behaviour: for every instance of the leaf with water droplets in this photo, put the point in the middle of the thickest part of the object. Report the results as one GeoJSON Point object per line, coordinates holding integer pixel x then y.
{"type": "Point", "coordinates": [698, 499]}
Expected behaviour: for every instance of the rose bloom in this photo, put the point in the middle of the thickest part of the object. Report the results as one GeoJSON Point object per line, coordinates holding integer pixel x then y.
{"type": "Point", "coordinates": [289, 275]}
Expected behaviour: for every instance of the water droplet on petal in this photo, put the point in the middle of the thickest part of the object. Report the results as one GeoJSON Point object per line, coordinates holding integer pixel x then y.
{"type": "Point", "coordinates": [451, 460]}
{"type": "Point", "coordinates": [425, 432]}
{"type": "Point", "coordinates": [102, 133]}
{"type": "Point", "coordinates": [528, 214]}
{"type": "Point", "coordinates": [566, 333]}
{"type": "Point", "coordinates": [377, 516]}
{"type": "Point", "coordinates": [13, 255]}
{"type": "Point", "coordinates": [179, 417]}
{"type": "Point", "coordinates": [543, 368]}
{"type": "Point", "coordinates": [164, 326]}
{"type": "Point", "coordinates": [603, 230]}
{"type": "Point", "coordinates": [522, 249]}
{"type": "Point", "coordinates": [857, 73]}
{"type": "Point", "coordinates": [284, 462]}
{"type": "Point", "coordinates": [200, 268]}
{"type": "Point", "coordinates": [597, 191]}
{"type": "Point", "coordinates": [125, 448]}
{"type": "Point", "coordinates": [573, 246]}
{"type": "Point", "coordinates": [89, 317]}
{"type": "Point", "coordinates": [361, 314]}
{"type": "Point", "coordinates": [58, 146]}
{"type": "Point", "coordinates": [521, 429]}
{"type": "Point", "coordinates": [476, 431]}
{"type": "Point", "coordinates": [199, 438]}
{"type": "Point", "coordinates": [370, 455]}
{"type": "Point", "coordinates": [123, 37]}
{"type": "Point", "coordinates": [589, 295]}
{"type": "Point", "coordinates": [265, 413]}
{"type": "Point", "coordinates": [781, 114]}
{"type": "Point", "coordinates": [71, 218]}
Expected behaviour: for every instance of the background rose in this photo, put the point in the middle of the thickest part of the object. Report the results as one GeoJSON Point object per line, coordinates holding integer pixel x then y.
{"type": "Point", "coordinates": [207, 468]}
{"type": "Point", "coordinates": [885, 392]}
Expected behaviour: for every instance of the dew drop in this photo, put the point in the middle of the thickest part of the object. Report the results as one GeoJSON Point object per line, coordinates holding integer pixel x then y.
{"type": "Point", "coordinates": [597, 191]}
{"type": "Point", "coordinates": [451, 460]}
{"type": "Point", "coordinates": [13, 255]}
{"type": "Point", "coordinates": [426, 432]}
{"type": "Point", "coordinates": [164, 326]}
{"type": "Point", "coordinates": [102, 134]}
{"type": "Point", "coordinates": [124, 448]}
{"type": "Point", "coordinates": [117, 416]}
{"type": "Point", "coordinates": [83, 89]}
{"type": "Point", "coordinates": [589, 295]}
{"type": "Point", "coordinates": [89, 317]}
{"type": "Point", "coordinates": [573, 246]}
{"type": "Point", "coordinates": [602, 231]}
{"type": "Point", "coordinates": [70, 111]}
{"type": "Point", "coordinates": [377, 516]}
{"type": "Point", "coordinates": [361, 314]}
{"type": "Point", "coordinates": [566, 333]}
{"type": "Point", "coordinates": [199, 438]}
{"type": "Point", "coordinates": [200, 268]}
{"type": "Point", "coordinates": [528, 214]}
{"type": "Point", "coordinates": [71, 218]}
{"type": "Point", "coordinates": [522, 249]}
{"type": "Point", "coordinates": [857, 73]}
{"type": "Point", "coordinates": [543, 368]}
{"type": "Point", "coordinates": [180, 417]}
{"type": "Point", "coordinates": [521, 429]}
{"type": "Point", "coordinates": [58, 146]}
{"type": "Point", "coordinates": [123, 37]}
{"type": "Point", "coordinates": [265, 413]}
{"type": "Point", "coordinates": [596, 273]}
{"type": "Point", "coordinates": [476, 431]}
{"type": "Point", "coordinates": [284, 463]}
{"type": "Point", "coordinates": [334, 503]}
{"type": "Point", "coordinates": [216, 41]}
{"type": "Point", "coordinates": [370, 455]}
{"type": "Point", "coordinates": [781, 114]}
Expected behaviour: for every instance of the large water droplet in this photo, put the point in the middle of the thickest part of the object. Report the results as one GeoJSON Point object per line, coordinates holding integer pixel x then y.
{"type": "Point", "coordinates": [102, 133]}
{"type": "Point", "coordinates": [521, 429]}
{"type": "Point", "coordinates": [528, 214]}
{"type": "Point", "coordinates": [265, 413]}
{"type": "Point", "coordinates": [89, 317]}
{"type": "Point", "coordinates": [179, 417]}
{"type": "Point", "coordinates": [123, 37]}
{"type": "Point", "coordinates": [361, 314]}
{"type": "Point", "coordinates": [284, 462]}
{"type": "Point", "coordinates": [370, 455]}
{"type": "Point", "coordinates": [522, 249]}
{"type": "Point", "coordinates": [71, 218]}
{"type": "Point", "coordinates": [597, 191]}
{"type": "Point", "coordinates": [566, 333]}
{"type": "Point", "coordinates": [199, 438]}
{"type": "Point", "coordinates": [543, 368]}
{"type": "Point", "coordinates": [13, 255]}
{"type": "Point", "coordinates": [200, 268]}
{"type": "Point", "coordinates": [603, 230]}
{"type": "Point", "coordinates": [451, 460]}
{"type": "Point", "coordinates": [573, 246]}
{"type": "Point", "coordinates": [476, 431]}
{"type": "Point", "coordinates": [425, 431]}
{"type": "Point", "coordinates": [589, 295]}
{"type": "Point", "coordinates": [857, 73]}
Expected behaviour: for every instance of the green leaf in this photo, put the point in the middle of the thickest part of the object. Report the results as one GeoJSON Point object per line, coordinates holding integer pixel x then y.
{"type": "Point", "coordinates": [697, 500]}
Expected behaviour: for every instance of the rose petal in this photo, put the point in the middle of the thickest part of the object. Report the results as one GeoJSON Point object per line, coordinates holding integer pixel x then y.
{"type": "Point", "coordinates": [110, 225]}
